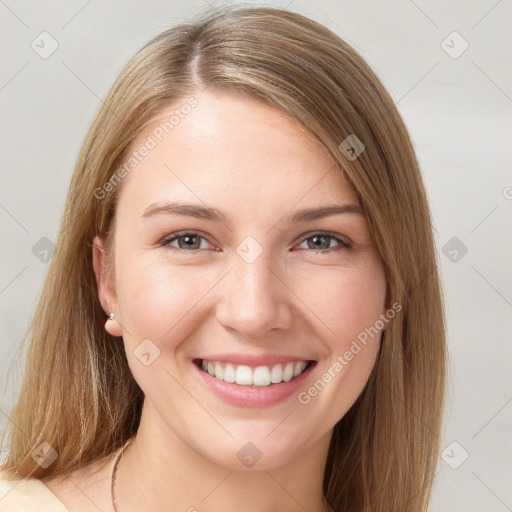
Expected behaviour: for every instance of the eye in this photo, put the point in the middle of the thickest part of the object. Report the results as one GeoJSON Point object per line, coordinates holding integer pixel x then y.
{"type": "Point", "coordinates": [187, 241]}
{"type": "Point", "coordinates": [323, 241]}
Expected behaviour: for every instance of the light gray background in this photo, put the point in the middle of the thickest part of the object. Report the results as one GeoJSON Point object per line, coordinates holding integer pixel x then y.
{"type": "Point", "coordinates": [458, 111]}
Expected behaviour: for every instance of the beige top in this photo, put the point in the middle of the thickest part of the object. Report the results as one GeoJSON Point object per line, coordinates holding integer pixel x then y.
{"type": "Point", "coordinates": [29, 495]}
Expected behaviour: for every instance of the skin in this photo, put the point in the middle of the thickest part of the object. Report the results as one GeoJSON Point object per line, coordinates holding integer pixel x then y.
{"type": "Point", "coordinates": [257, 166]}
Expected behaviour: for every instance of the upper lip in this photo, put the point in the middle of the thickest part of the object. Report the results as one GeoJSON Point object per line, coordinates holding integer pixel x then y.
{"type": "Point", "coordinates": [253, 360]}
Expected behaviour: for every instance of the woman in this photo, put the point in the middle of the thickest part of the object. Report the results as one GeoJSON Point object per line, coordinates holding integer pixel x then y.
{"type": "Point", "coordinates": [243, 307]}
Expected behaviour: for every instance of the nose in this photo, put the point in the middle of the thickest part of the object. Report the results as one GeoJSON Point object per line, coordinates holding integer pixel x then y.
{"type": "Point", "coordinates": [254, 298]}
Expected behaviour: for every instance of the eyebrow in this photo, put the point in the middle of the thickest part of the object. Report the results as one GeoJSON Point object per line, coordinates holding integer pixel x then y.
{"type": "Point", "coordinates": [200, 212]}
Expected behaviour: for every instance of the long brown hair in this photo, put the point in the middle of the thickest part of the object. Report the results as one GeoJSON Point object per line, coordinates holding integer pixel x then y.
{"type": "Point", "coordinates": [78, 394]}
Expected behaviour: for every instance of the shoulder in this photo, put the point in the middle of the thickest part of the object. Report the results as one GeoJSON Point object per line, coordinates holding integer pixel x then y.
{"type": "Point", "coordinates": [27, 495]}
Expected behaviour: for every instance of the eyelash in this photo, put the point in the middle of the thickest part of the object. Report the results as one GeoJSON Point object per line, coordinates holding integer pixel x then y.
{"type": "Point", "coordinates": [342, 244]}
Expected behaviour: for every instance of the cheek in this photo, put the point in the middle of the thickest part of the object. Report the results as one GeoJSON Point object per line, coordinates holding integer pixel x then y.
{"type": "Point", "coordinates": [161, 304]}
{"type": "Point", "coordinates": [158, 301]}
{"type": "Point", "coordinates": [348, 306]}
{"type": "Point", "coordinates": [344, 302]}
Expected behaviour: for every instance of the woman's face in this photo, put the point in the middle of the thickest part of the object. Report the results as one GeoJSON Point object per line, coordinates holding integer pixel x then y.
{"type": "Point", "coordinates": [265, 288]}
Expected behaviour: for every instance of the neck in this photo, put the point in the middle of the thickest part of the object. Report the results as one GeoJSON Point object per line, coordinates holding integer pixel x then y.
{"type": "Point", "coordinates": [159, 471]}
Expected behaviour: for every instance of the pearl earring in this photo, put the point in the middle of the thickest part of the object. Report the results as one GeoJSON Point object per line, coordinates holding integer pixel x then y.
{"type": "Point", "coordinates": [112, 316]}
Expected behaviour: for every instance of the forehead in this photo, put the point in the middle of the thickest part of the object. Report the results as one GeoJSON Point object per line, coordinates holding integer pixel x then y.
{"type": "Point", "coordinates": [231, 147]}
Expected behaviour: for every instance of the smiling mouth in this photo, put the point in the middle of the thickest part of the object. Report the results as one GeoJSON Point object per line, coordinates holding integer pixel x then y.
{"type": "Point", "coordinates": [259, 376]}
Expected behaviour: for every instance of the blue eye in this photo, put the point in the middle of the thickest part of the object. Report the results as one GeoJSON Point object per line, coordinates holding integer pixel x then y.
{"type": "Point", "coordinates": [190, 241]}
{"type": "Point", "coordinates": [321, 242]}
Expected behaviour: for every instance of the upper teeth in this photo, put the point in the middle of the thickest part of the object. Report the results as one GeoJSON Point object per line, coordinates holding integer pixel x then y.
{"type": "Point", "coordinates": [248, 376]}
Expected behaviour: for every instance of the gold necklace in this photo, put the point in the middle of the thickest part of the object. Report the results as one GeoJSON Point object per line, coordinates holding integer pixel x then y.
{"type": "Point", "coordinates": [114, 474]}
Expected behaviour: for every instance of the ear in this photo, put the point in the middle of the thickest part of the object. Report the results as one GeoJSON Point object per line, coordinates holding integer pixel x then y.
{"type": "Point", "coordinates": [106, 288]}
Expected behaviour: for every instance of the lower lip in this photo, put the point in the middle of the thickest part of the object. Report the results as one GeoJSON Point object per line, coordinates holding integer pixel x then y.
{"type": "Point", "coordinates": [245, 396]}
